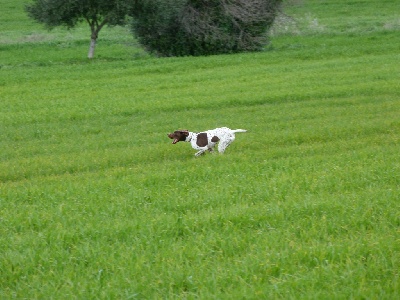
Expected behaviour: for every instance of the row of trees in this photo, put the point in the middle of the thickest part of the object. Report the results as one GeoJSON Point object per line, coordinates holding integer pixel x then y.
{"type": "Point", "coordinates": [169, 27]}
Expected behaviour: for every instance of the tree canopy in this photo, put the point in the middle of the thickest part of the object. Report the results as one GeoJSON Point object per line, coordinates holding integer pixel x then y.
{"type": "Point", "coordinates": [69, 13]}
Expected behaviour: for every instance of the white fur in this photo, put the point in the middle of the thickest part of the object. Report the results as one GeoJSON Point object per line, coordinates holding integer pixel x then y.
{"type": "Point", "coordinates": [226, 137]}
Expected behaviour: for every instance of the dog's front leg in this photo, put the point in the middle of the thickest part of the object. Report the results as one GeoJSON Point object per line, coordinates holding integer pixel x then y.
{"type": "Point", "coordinates": [199, 153]}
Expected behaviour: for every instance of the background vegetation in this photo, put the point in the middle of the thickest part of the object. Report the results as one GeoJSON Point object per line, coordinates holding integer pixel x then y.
{"type": "Point", "coordinates": [203, 27]}
{"type": "Point", "coordinates": [95, 202]}
{"type": "Point", "coordinates": [96, 14]}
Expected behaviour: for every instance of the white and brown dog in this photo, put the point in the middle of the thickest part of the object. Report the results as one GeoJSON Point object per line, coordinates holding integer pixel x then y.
{"type": "Point", "coordinates": [206, 140]}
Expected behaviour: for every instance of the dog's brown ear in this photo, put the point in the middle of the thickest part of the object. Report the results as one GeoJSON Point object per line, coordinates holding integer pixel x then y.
{"type": "Point", "coordinates": [185, 132]}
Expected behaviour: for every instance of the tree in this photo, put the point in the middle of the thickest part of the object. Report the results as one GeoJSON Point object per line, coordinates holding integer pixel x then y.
{"type": "Point", "coordinates": [202, 27]}
{"type": "Point", "coordinates": [69, 13]}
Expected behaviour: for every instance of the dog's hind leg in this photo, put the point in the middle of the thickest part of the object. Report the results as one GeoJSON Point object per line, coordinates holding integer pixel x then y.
{"type": "Point", "coordinates": [224, 144]}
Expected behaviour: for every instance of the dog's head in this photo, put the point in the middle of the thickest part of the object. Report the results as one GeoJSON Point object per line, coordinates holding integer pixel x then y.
{"type": "Point", "coordinates": [178, 136]}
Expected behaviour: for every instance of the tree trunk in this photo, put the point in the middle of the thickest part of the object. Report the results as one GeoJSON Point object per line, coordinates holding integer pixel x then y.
{"type": "Point", "coordinates": [92, 47]}
{"type": "Point", "coordinates": [95, 28]}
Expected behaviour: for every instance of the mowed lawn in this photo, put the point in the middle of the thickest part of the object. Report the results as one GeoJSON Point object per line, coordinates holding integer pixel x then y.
{"type": "Point", "coordinates": [96, 203]}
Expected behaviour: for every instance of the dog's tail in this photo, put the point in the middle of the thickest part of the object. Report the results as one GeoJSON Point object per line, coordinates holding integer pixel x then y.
{"type": "Point", "coordinates": [239, 130]}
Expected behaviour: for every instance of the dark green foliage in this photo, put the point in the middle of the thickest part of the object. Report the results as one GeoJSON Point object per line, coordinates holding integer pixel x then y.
{"type": "Point", "coordinates": [69, 12]}
{"type": "Point", "coordinates": [203, 27]}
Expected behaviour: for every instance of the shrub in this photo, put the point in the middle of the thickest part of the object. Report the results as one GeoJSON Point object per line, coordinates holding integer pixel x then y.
{"type": "Point", "coordinates": [203, 27]}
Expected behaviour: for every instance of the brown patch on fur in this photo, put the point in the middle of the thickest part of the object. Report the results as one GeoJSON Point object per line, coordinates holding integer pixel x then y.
{"type": "Point", "coordinates": [215, 139]}
{"type": "Point", "coordinates": [202, 139]}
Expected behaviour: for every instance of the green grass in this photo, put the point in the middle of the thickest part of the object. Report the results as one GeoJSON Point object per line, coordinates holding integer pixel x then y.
{"type": "Point", "coordinates": [96, 203]}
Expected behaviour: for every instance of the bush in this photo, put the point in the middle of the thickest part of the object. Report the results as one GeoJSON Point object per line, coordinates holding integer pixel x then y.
{"type": "Point", "coordinates": [203, 27]}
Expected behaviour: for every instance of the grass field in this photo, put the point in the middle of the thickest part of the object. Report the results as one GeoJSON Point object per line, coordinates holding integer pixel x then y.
{"type": "Point", "coordinates": [96, 203]}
